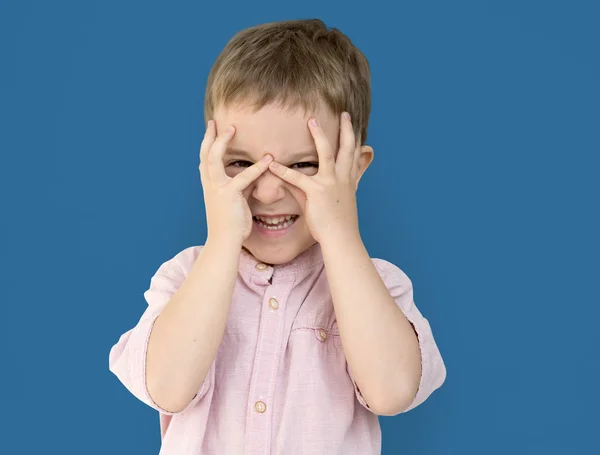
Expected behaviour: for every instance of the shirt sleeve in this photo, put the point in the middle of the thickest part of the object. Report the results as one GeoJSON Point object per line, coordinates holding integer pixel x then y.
{"type": "Point", "coordinates": [127, 358]}
{"type": "Point", "coordinates": [433, 370]}
{"type": "Point", "coordinates": [357, 392]}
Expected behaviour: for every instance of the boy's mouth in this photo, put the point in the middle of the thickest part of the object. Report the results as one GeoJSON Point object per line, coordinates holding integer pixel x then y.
{"type": "Point", "coordinates": [275, 223]}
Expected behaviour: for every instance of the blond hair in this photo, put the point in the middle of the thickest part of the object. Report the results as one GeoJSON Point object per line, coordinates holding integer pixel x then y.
{"type": "Point", "coordinates": [296, 63]}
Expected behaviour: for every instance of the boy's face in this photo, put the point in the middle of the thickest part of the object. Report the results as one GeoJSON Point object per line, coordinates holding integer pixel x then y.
{"type": "Point", "coordinates": [285, 135]}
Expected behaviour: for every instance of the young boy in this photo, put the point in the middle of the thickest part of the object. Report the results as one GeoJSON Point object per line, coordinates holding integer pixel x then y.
{"type": "Point", "coordinates": [280, 335]}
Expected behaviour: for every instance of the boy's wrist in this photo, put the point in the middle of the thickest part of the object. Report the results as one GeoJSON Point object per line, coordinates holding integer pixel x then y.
{"type": "Point", "coordinates": [224, 243]}
{"type": "Point", "coordinates": [340, 239]}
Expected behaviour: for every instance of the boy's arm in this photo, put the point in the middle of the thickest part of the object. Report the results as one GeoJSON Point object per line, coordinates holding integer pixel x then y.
{"type": "Point", "coordinates": [186, 335]}
{"type": "Point", "coordinates": [166, 358]}
{"type": "Point", "coordinates": [382, 349]}
{"type": "Point", "coordinates": [380, 344]}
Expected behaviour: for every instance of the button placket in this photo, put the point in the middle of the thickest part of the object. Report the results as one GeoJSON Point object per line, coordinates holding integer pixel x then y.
{"type": "Point", "coordinates": [269, 344]}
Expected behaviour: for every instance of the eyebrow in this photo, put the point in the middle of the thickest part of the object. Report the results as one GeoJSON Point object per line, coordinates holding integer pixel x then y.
{"type": "Point", "coordinates": [238, 153]}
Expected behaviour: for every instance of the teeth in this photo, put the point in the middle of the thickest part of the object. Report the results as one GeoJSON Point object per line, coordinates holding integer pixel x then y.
{"type": "Point", "coordinates": [274, 220]}
{"type": "Point", "coordinates": [275, 223]}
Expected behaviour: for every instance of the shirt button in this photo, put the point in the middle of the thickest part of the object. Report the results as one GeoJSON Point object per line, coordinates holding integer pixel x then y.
{"type": "Point", "coordinates": [260, 407]}
{"type": "Point", "coordinates": [322, 334]}
{"type": "Point", "coordinates": [273, 303]}
{"type": "Point", "coordinates": [260, 266]}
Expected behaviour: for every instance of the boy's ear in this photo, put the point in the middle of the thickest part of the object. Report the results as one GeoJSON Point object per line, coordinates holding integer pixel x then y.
{"type": "Point", "coordinates": [364, 160]}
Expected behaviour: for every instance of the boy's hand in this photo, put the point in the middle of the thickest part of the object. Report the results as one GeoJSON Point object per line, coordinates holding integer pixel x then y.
{"type": "Point", "coordinates": [227, 212]}
{"type": "Point", "coordinates": [330, 208]}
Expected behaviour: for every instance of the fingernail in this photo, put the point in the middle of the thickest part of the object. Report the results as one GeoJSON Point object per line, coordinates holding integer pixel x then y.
{"type": "Point", "coordinates": [274, 164]}
{"type": "Point", "coordinates": [230, 129]}
{"type": "Point", "coordinates": [346, 115]}
{"type": "Point", "coordinates": [314, 122]}
{"type": "Point", "coordinates": [267, 158]}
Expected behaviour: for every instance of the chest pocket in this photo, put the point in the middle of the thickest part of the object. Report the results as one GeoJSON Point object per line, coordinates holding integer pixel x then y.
{"type": "Point", "coordinates": [316, 313]}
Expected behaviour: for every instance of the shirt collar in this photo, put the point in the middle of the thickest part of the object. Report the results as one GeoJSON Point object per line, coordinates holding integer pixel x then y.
{"type": "Point", "coordinates": [263, 273]}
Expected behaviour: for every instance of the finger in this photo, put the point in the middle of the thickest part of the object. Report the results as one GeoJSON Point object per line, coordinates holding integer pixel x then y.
{"type": "Point", "coordinates": [216, 168]}
{"type": "Point", "coordinates": [296, 178]}
{"type": "Point", "coordinates": [241, 181]}
{"type": "Point", "coordinates": [346, 154]}
{"type": "Point", "coordinates": [203, 172]}
{"type": "Point", "coordinates": [324, 150]}
{"type": "Point", "coordinates": [207, 141]}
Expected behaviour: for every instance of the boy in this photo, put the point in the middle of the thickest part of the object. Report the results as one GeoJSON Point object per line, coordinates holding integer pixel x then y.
{"type": "Point", "coordinates": [280, 335]}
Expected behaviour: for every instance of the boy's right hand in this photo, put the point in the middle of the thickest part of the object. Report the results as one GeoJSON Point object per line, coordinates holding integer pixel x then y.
{"type": "Point", "coordinates": [228, 215]}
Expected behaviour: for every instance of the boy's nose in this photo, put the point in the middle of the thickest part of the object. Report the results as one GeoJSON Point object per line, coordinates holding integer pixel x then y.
{"type": "Point", "coordinates": [268, 188]}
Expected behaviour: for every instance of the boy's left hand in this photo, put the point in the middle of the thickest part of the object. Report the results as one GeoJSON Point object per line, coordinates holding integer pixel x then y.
{"type": "Point", "coordinates": [330, 207]}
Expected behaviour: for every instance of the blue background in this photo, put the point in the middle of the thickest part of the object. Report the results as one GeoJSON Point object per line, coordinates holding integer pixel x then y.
{"type": "Point", "coordinates": [484, 190]}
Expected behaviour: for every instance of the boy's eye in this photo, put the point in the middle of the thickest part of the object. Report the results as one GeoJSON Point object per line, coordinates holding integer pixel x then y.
{"type": "Point", "coordinates": [240, 163]}
{"type": "Point", "coordinates": [243, 163]}
{"type": "Point", "coordinates": [306, 164]}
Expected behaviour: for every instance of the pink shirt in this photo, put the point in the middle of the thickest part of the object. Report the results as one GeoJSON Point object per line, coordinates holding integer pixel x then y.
{"type": "Point", "coordinates": [280, 384]}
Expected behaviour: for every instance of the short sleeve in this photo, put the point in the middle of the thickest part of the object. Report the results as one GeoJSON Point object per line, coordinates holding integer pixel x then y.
{"type": "Point", "coordinates": [357, 391]}
{"type": "Point", "coordinates": [127, 358]}
{"type": "Point", "coordinates": [433, 370]}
